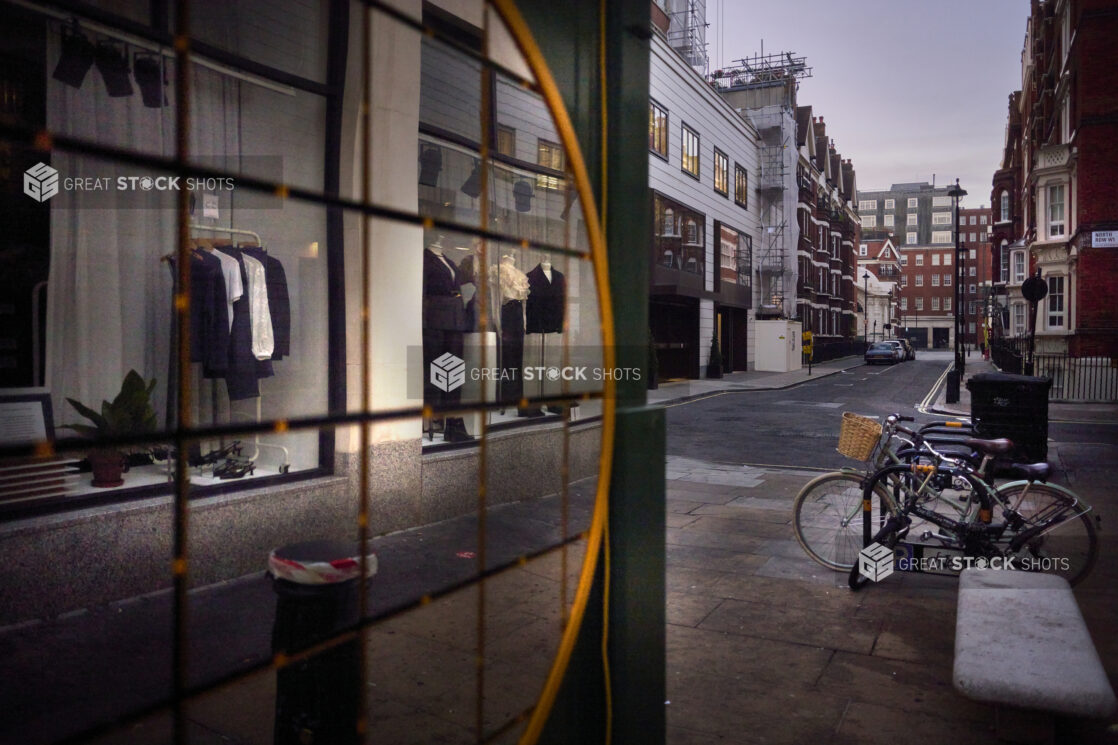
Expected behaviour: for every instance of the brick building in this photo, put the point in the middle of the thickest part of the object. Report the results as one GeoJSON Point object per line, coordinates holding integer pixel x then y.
{"type": "Point", "coordinates": [977, 271]}
{"type": "Point", "coordinates": [1053, 197]}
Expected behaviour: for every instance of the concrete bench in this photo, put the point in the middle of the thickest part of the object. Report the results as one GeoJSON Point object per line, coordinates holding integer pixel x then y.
{"type": "Point", "coordinates": [1020, 641]}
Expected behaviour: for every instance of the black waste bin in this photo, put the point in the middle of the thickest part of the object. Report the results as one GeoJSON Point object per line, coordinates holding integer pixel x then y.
{"type": "Point", "coordinates": [317, 698]}
{"type": "Point", "coordinates": [1013, 406]}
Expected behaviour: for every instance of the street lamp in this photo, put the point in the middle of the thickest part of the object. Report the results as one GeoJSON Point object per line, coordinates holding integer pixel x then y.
{"type": "Point", "coordinates": [866, 306]}
{"type": "Point", "coordinates": [956, 193]}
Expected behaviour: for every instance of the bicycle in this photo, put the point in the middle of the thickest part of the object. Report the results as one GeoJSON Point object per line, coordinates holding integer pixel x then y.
{"type": "Point", "coordinates": [829, 507]}
{"type": "Point", "coordinates": [830, 520]}
{"type": "Point", "coordinates": [1044, 527]}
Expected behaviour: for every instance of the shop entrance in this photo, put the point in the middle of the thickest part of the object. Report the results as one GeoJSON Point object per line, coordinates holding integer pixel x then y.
{"type": "Point", "coordinates": [675, 333]}
{"type": "Point", "coordinates": [941, 338]}
{"type": "Point", "coordinates": [733, 327]}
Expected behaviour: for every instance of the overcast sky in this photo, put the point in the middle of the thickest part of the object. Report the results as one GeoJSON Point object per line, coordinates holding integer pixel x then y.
{"type": "Point", "coordinates": [908, 88]}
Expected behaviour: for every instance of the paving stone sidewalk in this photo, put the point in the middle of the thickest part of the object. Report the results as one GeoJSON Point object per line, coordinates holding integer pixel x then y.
{"type": "Point", "coordinates": [765, 646]}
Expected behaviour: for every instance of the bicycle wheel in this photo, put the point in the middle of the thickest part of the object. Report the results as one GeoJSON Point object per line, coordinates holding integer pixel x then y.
{"type": "Point", "coordinates": [1069, 550]}
{"type": "Point", "coordinates": [827, 519]}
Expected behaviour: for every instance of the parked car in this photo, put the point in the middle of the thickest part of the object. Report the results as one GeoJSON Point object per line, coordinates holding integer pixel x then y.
{"type": "Point", "coordinates": [902, 355]}
{"type": "Point", "coordinates": [882, 351]}
{"type": "Point", "coordinates": [910, 351]}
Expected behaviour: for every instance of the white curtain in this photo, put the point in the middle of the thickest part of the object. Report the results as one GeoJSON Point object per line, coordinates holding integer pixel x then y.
{"type": "Point", "coordinates": [109, 294]}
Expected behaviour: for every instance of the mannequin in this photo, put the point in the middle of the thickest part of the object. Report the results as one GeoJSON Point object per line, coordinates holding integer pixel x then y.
{"type": "Point", "coordinates": [444, 323]}
{"type": "Point", "coordinates": [512, 286]}
{"type": "Point", "coordinates": [546, 312]}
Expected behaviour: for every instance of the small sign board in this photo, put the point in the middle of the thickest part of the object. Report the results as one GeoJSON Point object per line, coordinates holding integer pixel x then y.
{"type": "Point", "coordinates": [1104, 238]}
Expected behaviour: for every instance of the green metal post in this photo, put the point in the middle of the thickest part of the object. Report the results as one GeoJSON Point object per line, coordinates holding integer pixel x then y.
{"type": "Point", "coordinates": [569, 34]}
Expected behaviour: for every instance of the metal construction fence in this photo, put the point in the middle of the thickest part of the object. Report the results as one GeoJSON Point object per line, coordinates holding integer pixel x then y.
{"type": "Point", "coordinates": [1073, 378]}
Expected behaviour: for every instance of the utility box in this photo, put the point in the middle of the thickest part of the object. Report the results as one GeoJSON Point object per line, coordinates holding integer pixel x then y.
{"type": "Point", "coordinates": [1012, 406]}
{"type": "Point", "coordinates": [779, 345]}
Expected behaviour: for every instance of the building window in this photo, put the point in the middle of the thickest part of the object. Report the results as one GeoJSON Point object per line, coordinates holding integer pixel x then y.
{"type": "Point", "coordinates": [1003, 260]}
{"type": "Point", "coordinates": [970, 327]}
{"type": "Point", "coordinates": [866, 205]}
{"type": "Point", "coordinates": [935, 280]}
{"type": "Point", "coordinates": [910, 238]}
{"type": "Point", "coordinates": [863, 250]}
{"type": "Point", "coordinates": [919, 303]}
{"type": "Point", "coordinates": [912, 203]}
{"type": "Point", "coordinates": [973, 254]}
{"type": "Point", "coordinates": [982, 220]}
{"type": "Point", "coordinates": [904, 303]}
{"type": "Point", "coordinates": [970, 271]}
{"type": "Point", "coordinates": [973, 289]}
{"type": "Point", "coordinates": [689, 160]}
{"type": "Point", "coordinates": [741, 186]}
{"type": "Point", "coordinates": [947, 280]}
{"type": "Point", "coordinates": [972, 238]}
{"type": "Point", "coordinates": [946, 303]}
{"type": "Point", "coordinates": [869, 221]}
{"type": "Point", "coordinates": [904, 260]}
{"type": "Point", "coordinates": [919, 259]}
{"type": "Point", "coordinates": [678, 238]}
{"type": "Point", "coordinates": [822, 242]}
{"type": "Point", "coordinates": [947, 259]}
{"type": "Point", "coordinates": [658, 129]}
{"type": "Point", "coordinates": [910, 219]}
{"type": "Point", "coordinates": [890, 204]}
{"type": "Point", "coordinates": [919, 280]}
{"type": "Point", "coordinates": [550, 155]}
{"type": "Point", "coordinates": [941, 201]}
{"type": "Point", "coordinates": [721, 172]}
{"type": "Point", "coordinates": [935, 303]}
{"type": "Point", "coordinates": [1004, 206]}
{"type": "Point", "coordinates": [904, 280]}
{"type": "Point", "coordinates": [941, 218]}
{"type": "Point", "coordinates": [735, 257]}
{"type": "Point", "coordinates": [506, 140]}
{"type": "Point", "coordinates": [1055, 302]}
{"type": "Point", "coordinates": [935, 259]}
{"type": "Point", "coordinates": [888, 220]}
{"type": "Point", "coordinates": [941, 236]}
{"type": "Point", "coordinates": [1055, 210]}
{"type": "Point", "coordinates": [1018, 267]}
{"type": "Point", "coordinates": [1018, 326]}
{"type": "Point", "coordinates": [972, 221]}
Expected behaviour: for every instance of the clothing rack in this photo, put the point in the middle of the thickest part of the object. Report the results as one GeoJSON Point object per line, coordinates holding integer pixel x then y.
{"type": "Point", "coordinates": [286, 462]}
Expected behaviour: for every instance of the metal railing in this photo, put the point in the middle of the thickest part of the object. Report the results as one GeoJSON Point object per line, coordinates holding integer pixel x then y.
{"type": "Point", "coordinates": [1074, 378]}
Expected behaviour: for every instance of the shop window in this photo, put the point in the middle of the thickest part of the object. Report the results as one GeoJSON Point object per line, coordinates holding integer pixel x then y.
{"type": "Point", "coordinates": [678, 240]}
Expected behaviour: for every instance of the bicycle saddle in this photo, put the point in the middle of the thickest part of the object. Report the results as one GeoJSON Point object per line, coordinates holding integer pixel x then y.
{"type": "Point", "coordinates": [1000, 446]}
{"type": "Point", "coordinates": [1030, 471]}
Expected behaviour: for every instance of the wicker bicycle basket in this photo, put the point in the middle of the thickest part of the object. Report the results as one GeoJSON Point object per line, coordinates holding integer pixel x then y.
{"type": "Point", "coordinates": [858, 437]}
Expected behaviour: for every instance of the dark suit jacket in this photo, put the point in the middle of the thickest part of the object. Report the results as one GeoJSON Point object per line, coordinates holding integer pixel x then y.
{"type": "Point", "coordinates": [547, 302]}
{"type": "Point", "coordinates": [442, 295]}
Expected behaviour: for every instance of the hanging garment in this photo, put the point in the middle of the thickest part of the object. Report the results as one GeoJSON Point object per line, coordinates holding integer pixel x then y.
{"type": "Point", "coordinates": [547, 301]}
{"type": "Point", "coordinates": [263, 343]}
{"type": "Point", "coordinates": [241, 374]}
{"type": "Point", "coordinates": [442, 294]}
{"type": "Point", "coordinates": [209, 321]}
{"type": "Point", "coordinates": [279, 303]}
{"type": "Point", "coordinates": [234, 284]}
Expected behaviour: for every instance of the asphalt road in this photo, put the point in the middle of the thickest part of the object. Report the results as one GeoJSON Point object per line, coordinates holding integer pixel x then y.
{"type": "Point", "coordinates": [798, 427]}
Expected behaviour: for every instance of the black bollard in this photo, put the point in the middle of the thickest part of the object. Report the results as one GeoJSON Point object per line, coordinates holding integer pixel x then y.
{"type": "Point", "coordinates": [317, 698]}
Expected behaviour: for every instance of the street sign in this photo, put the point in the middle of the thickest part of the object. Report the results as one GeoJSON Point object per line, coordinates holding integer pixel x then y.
{"type": "Point", "coordinates": [1034, 288]}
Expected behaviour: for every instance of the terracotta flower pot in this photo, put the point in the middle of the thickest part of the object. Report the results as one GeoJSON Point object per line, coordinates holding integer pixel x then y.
{"type": "Point", "coordinates": [108, 468]}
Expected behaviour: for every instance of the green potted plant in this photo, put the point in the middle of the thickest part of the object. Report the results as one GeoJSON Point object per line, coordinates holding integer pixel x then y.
{"type": "Point", "coordinates": [130, 413]}
{"type": "Point", "coordinates": [714, 367]}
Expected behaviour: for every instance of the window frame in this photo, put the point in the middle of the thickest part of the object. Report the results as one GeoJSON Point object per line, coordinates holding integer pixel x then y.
{"type": "Point", "coordinates": [1056, 228]}
{"type": "Point", "coordinates": [685, 151]}
{"type": "Point", "coordinates": [721, 168]}
{"type": "Point", "coordinates": [741, 185]}
{"type": "Point", "coordinates": [654, 133]}
{"type": "Point", "coordinates": [1054, 295]}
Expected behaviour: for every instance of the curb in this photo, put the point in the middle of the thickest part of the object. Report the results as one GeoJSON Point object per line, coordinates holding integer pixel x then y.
{"type": "Point", "coordinates": [751, 389]}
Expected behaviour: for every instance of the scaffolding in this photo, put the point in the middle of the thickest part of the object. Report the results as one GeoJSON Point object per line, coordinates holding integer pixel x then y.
{"type": "Point", "coordinates": [763, 88]}
{"type": "Point", "coordinates": [687, 32]}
